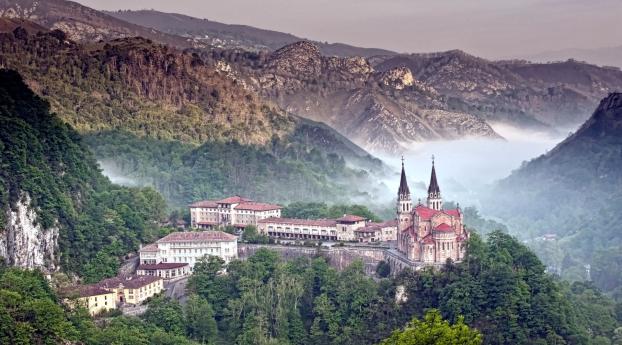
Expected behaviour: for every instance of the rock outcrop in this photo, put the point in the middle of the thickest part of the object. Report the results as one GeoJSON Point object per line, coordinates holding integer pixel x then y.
{"type": "Point", "coordinates": [24, 242]}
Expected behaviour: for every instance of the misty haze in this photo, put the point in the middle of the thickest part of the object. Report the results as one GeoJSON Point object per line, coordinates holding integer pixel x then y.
{"type": "Point", "coordinates": [310, 172]}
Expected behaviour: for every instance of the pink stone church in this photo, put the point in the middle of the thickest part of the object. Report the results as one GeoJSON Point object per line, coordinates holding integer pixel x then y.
{"type": "Point", "coordinates": [428, 233]}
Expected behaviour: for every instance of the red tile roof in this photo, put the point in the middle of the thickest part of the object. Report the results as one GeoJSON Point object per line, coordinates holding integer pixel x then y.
{"type": "Point", "coordinates": [191, 236]}
{"type": "Point", "coordinates": [162, 266]}
{"type": "Point", "coordinates": [443, 227]}
{"type": "Point", "coordinates": [257, 206]}
{"type": "Point", "coordinates": [427, 213]}
{"type": "Point", "coordinates": [350, 218]}
{"type": "Point", "coordinates": [153, 247]}
{"type": "Point", "coordinates": [300, 222]}
{"type": "Point", "coordinates": [232, 200]}
{"type": "Point", "coordinates": [131, 282]}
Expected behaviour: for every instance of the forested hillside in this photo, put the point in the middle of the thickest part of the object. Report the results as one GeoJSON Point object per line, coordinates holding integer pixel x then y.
{"type": "Point", "coordinates": [47, 171]}
{"type": "Point", "coordinates": [167, 119]}
{"type": "Point", "coordinates": [575, 193]}
{"type": "Point", "coordinates": [501, 290]}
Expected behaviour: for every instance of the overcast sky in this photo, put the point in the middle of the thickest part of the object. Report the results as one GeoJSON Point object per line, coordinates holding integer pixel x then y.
{"type": "Point", "coordinates": [489, 28]}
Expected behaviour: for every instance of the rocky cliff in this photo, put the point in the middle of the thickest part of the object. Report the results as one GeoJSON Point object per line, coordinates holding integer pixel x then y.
{"type": "Point", "coordinates": [24, 242]}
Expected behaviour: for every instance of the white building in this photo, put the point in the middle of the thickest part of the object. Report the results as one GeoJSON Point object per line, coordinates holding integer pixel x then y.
{"type": "Point", "coordinates": [234, 211]}
{"type": "Point", "coordinates": [340, 229]}
{"type": "Point", "coordinates": [188, 247]}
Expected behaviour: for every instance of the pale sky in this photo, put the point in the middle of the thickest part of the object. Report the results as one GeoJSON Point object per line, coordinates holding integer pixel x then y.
{"type": "Point", "coordinates": [488, 28]}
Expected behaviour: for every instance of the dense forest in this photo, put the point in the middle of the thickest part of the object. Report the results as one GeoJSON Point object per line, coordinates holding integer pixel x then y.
{"type": "Point", "coordinates": [43, 160]}
{"type": "Point", "coordinates": [283, 171]}
{"type": "Point", "coordinates": [498, 295]}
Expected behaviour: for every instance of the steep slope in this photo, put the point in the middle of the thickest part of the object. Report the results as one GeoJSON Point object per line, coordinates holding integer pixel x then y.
{"type": "Point", "coordinates": [56, 209]}
{"type": "Point", "coordinates": [575, 192]}
{"type": "Point", "coordinates": [82, 23]}
{"type": "Point", "coordinates": [381, 111]}
{"type": "Point", "coordinates": [231, 36]}
{"type": "Point", "coordinates": [135, 85]}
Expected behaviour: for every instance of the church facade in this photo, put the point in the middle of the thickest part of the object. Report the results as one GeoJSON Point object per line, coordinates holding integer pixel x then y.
{"type": "Point", "coordinates": [427, 232]}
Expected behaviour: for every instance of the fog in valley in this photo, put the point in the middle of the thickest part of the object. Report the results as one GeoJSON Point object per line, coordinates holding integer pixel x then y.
{"type": "Point", "coordinates": [466, 168]}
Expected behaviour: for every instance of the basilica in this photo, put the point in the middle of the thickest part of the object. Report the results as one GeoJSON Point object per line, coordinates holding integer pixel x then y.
{"type": "Point", "coordinates": [429, 233]}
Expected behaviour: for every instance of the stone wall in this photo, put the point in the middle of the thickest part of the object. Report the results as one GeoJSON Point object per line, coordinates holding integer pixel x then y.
{"type": "Point", "coordinates": [338, 257]}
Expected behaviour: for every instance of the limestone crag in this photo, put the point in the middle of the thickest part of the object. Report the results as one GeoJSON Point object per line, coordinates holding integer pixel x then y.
{"type": "Point", "coordinates": [24, 243]}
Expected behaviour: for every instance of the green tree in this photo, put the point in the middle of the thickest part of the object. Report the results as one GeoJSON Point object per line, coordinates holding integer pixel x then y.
{"type": "Point", "coordinates": [433, 330]}
{"type": "Point", "coordinates": [166, 314]}
{"type": "Point", "coordinates": [199, 318]}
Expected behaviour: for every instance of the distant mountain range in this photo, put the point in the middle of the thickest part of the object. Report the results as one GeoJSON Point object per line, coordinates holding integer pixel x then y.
{"type": "Point", "coordinates": [230, 36]}
{"type": "Point", "coordinates": [574, 192]}
{"type": "Point", "coordinates": [381, 100]}
{"type": "Point", "coordinates": [607, 56]}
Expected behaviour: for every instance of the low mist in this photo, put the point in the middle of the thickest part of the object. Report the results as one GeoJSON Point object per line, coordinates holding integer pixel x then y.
{"type": "Point", "coordinates": [465, 168]}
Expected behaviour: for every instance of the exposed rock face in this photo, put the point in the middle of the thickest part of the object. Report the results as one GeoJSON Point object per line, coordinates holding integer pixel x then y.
{"type": "Point", "coordinates": [398, 78]}
{"type": "Point", "coordinates": [383, 111]}
{"type": "Point", "coordinates": [302, 60]}
{"type": "Point", "coordinates": [24, 243]}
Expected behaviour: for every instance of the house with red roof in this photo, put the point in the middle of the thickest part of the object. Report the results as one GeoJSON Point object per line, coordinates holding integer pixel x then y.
{"type": "Point", "coordinates": [429, 233]}
{"type": "Point", "coordinates": [233, 211]}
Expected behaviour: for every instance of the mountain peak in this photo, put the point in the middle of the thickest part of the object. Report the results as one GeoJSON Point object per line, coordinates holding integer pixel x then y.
{"type": "Point", "coordinates": [303, 59]}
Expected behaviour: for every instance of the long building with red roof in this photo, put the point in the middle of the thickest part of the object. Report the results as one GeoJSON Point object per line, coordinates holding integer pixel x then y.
{"type": "Point", "coordinates": [233, 211]}
{"type": "Point", "coordinates": [429, 233]}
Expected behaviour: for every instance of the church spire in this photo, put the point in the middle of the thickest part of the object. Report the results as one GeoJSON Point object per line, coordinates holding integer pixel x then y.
{"type": "Point", "coordinates": [433, 187]}
{"type": "Point", "coordinates": [404, 204]}
{"type": "Point", "coordinates": [434, 192]}
{"type": "Point", "coordinates": [403, 191]}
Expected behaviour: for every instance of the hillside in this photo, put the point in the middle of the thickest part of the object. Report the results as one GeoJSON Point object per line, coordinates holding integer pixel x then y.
{"type": "Point", "coordinates": [155, 94]}
{"type": "Point", "coordinates": [82, 23]}
{"type": "Point", "coordinates": [56, 209]}
{"type": "Point", "coordinates": [231, 36]}
{"type": "Point", "coordinates": [574, 192]}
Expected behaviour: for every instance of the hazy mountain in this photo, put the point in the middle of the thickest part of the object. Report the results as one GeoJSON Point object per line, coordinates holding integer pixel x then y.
{"type": "Point", "coordinates": [383, 111]}
{"type": "Point", "coordinates": [386, 102]}
{"type": "Point", "coordinates": [516, 92]}
{"type": "Point", "coordinates": [606, 56]}
{"type": "Point", "coordinates": [575, 192]}
{"type": "Point", "coordinates": [231, 36]}
{"type": "Point", "coordinates": [82, 23]}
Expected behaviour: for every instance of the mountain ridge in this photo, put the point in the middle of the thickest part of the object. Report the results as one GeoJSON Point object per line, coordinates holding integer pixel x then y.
{"type": "Point", "coordinates": [232, 36]}
{"type": "Point", "coordinates": [584, 171]}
